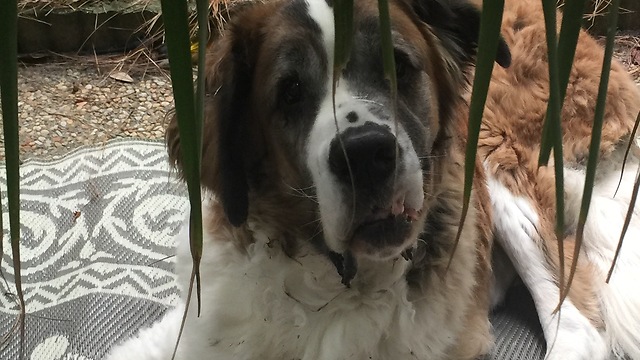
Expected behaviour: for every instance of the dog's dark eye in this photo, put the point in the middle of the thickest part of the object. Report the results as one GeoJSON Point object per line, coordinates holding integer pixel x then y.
{"type": "Point", "coordinates": [291, 91]}
{"type": "Point", "coordinates": [404, 66]}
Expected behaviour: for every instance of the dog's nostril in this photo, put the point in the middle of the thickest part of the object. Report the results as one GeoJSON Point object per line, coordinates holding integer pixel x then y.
{"type": "Point", "coordinates": [371, 150]}
{"type": "Point", "coordinates": [352, 117]}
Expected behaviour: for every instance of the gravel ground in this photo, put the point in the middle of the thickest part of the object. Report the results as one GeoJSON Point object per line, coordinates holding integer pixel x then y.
{"type": "Point", "coordinates": [75, 102]}
{"type": "Point", "coordinates": [66, 105]}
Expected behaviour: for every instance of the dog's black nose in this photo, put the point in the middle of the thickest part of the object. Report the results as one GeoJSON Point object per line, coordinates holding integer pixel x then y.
{"type": "Point", "coordinates": [371, 150]}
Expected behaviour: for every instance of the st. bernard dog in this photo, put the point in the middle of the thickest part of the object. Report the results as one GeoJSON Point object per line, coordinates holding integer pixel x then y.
{"type": "Point", "coordinates": [330, 222]}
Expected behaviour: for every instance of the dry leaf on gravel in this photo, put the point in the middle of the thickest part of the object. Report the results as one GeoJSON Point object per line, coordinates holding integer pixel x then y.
{"type": "Point", "coordinates": [121, 76]}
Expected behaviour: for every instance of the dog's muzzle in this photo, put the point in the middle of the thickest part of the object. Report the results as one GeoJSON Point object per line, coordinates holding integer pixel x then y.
{"type": "Point", "coordinates": [364, 156]}
{"type": "Point", "coordinates": [367, 162]}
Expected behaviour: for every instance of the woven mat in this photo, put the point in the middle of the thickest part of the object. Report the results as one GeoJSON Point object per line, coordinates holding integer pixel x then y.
{"type": "Point", "coordinates": [97, 230]}
{"type": "Point", "coordinates": [97, 227]}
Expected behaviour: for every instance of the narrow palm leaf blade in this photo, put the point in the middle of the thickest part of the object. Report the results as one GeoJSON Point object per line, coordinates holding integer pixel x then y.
{"type": "Point", "coordinates": [9, 98]}
{"type": "Point", "coordinates": [488, 40]}
{"type": "Point", "coordinates": [202, 7]}
{"type": "Point", "coordinates": [343, 23]}
{"type": "Point", "coordinates": [630, 144]}
{"type": "Point", "coordinates": [596, 134]}
{"type": "Point", "coordinates": [553, 139]}
{"type": "Point", "coordinates": [343, 41]}
{"type": "Point", "coordinates": [567, 43]}
{"type": "Point", "coordinates": [386, 42]}
{"type": "Point", "coordinates": [175, 18]}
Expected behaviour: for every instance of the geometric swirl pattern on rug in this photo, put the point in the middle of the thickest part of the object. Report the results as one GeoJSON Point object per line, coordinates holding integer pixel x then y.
{"type": "Point", "coordinates": [97, 230]}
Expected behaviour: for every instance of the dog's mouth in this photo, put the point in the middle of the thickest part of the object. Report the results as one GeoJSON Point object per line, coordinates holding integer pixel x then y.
{"type": "Point", "coordinates": [383, 233]}
{"type": "Point", "coordinates": [385, 228]}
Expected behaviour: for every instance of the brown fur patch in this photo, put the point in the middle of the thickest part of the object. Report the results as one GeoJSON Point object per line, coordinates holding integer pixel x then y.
{"type": "Point", "coordinates": [275, 190]}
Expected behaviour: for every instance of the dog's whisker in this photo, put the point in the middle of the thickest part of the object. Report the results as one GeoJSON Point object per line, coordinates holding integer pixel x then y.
{"type": "Point", "coordinates": [310, 187]}
{"type": "Point", "coordinates": [299, 189]}
{"type": "Point", "coordinates": [315, 221]}
{"type": "Point", "coordinates": [430, 156]}
{"type": "Point", "coordinates": [301, 192]}
{"type": "Point", "coordinates": [369, 101]}
{"type": "Point", "coordinates": [314, 235]}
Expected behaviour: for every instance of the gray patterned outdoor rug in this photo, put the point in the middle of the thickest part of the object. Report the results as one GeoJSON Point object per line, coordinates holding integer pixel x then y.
{"type": "Point", "coordinates": [97, 228]}
{"type": "Point", "coordinates": [97, 238]}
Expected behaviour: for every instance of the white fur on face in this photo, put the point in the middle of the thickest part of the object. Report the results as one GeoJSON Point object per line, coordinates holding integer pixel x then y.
{"type": "Point", "coordinates": [322, 14]}
{"type": "Point", "coordinates": [335, 206]}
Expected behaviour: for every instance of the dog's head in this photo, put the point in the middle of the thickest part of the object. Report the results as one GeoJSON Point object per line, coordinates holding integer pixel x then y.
{"type": "Point", "coordinates": [361, 162]}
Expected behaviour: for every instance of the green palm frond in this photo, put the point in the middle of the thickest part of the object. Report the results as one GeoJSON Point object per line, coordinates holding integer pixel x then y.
{"type": "Point", "coordinates": [594, 148]}
{"type": "Point", "coordinates": [490, 22]}
{"type": "Point", "coordinates": [9, 97]}
{"type": "Point", "coordinates": [388, 58]}
{"type": "Point", "coordinates": [189, 110]}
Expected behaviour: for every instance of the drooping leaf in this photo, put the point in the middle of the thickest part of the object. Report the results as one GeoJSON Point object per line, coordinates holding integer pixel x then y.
{"type": "Point", "coordinates": [343, 23]}
{"type": "Point", "coordinates": [490, 22]}
{"type": "Point", "coordinates": [388, 56]}
{"type": "Point", "coordinates": [9, 99]}
{"type": "Point", "coordinates": [631, 144]}
{"type": "Point", "coordinates": [202, 7]}
{"type": "Point", "coordinates": [553, 136]}
{"type": "Point", "coordinates": [189, 113]}
{"type": "Point", "coordinates": [343, 42]}
{"type": "Point", "coordinates": [386, 42]}
{"type": "Point", "coordinates": [567, 43]}
{"type": "Point", "coordinates": [596, 134]}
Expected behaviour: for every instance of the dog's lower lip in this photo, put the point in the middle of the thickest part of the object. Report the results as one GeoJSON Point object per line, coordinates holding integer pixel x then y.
{"type": "Point", "coordinates": [383, 233]}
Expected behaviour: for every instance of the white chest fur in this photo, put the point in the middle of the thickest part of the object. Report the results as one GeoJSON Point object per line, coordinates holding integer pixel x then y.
{"type": "Point", "coordinates": [266, 305]}
{"type": "Point", "coordinates": [262, 304]}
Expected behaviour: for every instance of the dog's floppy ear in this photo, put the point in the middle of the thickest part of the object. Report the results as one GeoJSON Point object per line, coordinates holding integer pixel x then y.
{"type": "Point", "coordinates": [230, 63]}
{"type": "Point", "coordinates": [457, 23]}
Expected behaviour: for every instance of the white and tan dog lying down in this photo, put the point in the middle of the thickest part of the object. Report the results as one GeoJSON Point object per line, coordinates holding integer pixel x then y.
{"type": "Point", "coordinates": [328, 237]}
